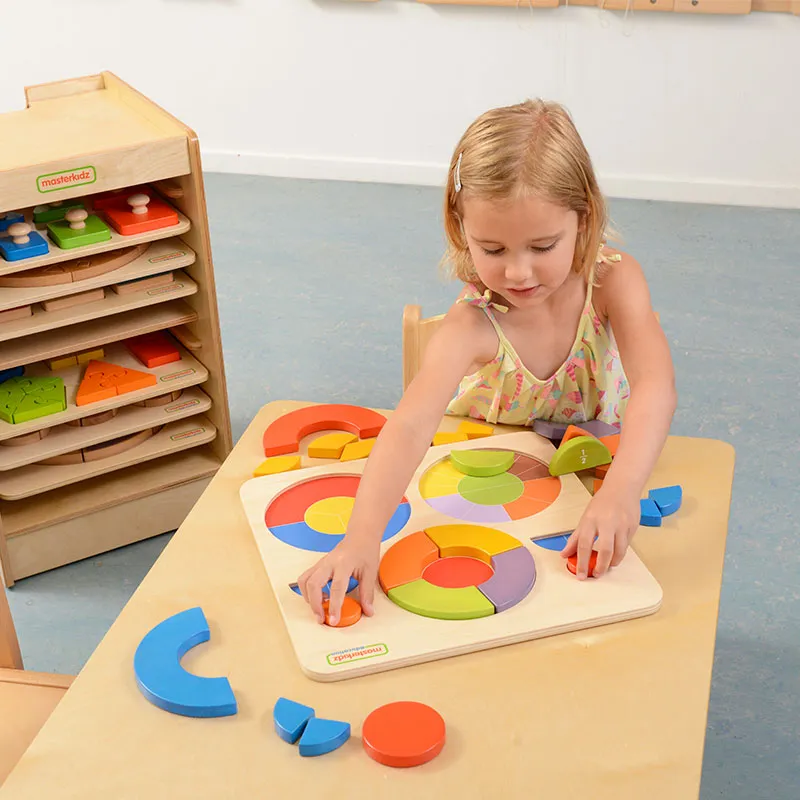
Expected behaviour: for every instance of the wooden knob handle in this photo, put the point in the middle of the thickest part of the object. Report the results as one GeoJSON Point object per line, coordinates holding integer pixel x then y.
{"type": "Point", "coordinates": [19, 232]}
{"type": "Point", "coordinates": [138, 203]}
{"type": "Point", "coordinates": [76, 217]}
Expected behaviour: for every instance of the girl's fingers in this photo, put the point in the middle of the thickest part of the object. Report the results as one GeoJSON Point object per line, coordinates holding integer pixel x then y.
{"type": "Point", "coordinates": [572, 543]}
{"type": "Point", "coordinates": [584, 552]}
{"type": "Point", "coordinates": [366, 592]}
{"type": "Point", "coordinates": [605, 553]}
{"type": "Point", "coordinates": [341, 580]}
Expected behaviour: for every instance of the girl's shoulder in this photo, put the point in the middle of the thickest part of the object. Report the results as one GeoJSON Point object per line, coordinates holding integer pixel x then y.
{"type": "Point", "coordinates": [617, 275]}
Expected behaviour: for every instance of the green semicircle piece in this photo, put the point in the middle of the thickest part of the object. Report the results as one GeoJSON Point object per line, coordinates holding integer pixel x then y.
{"type": "Point", "coordinates": [582, 452]}
{"type": "Point", "coordinates": [482, 463]}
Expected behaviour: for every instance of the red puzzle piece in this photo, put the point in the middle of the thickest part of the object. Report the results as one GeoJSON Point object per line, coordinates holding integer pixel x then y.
{"type": "Point", "coordinates": [121, 213]}
{"type": "Point", "coordinates": [284, 435]}
{"type": "Point", "coordinates": [153, 349]}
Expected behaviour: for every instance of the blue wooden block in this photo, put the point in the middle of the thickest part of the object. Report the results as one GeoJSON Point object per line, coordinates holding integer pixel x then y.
{"type": "Point", "coordinates": [323, 736]}
{"type": "Point", "coordinates": [166, 684]}
{"type": "Point", "coordinates": [557, 542]}
{"type": "Point", "coordinates": [36, 246]}
{"type": "Point", "coordinates": [650, 515]}
{"type": "Point", "coordinates": [14, 372]}
{"type": "Point", "coordinates": [290, 719]}
{"type": "Point", "coordinates": [326, 589]}
{"type": "Point", "coordinates": [9, 219]}
{"type": "Point", "coordinates": [668, 499]}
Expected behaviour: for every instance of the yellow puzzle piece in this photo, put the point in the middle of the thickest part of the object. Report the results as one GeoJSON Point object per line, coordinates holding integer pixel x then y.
{"type": "Point", "coordinates": [277, 464]}
{"type": "Point", "coordinates": [356, 450]}
{"type": "Point", "coordinates": [449, 438]}
{"type": "Point", "coordinates": [331, 445]}
{"type": "Point", "coordinates": [475, 430]}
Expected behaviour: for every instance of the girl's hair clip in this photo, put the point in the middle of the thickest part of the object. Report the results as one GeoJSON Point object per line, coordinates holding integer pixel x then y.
{"type": "Point", "coordinates": [458, 173]}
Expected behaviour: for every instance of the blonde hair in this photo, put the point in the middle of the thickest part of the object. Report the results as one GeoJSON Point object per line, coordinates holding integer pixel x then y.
{"type": "Point", "coordinates": [529, 148]}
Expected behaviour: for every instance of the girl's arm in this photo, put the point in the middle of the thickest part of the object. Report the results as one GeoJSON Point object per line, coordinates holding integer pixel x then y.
{"type": "Point", "coordinates": [462, 337]}
{"type": "Point", "coordinates": [613, 515]}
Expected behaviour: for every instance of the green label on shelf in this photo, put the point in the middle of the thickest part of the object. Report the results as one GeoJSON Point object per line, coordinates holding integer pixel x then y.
{"type": "Point", "coordinates": [357, 654]}
{"type": "Point", "coordinates": [53, 181]}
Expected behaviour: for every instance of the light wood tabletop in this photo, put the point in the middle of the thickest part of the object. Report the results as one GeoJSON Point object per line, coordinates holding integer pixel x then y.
{"type": "Point", "coordinates": [611, 712]}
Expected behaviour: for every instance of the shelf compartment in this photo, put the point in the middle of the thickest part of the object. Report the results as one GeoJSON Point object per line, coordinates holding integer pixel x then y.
{"type": "Point", "coordinates": [116, 242]}
{"type": "Point", "coordinates": [112, 304]}
{"type": "Point", "coordinates": [170, 378]}
{"type": "Point", "coordinates": [129, 419]}
{"type": "Point", "coordinates": [106, 491]}
{"type": "Point", "coordinates": [95, 333]}
{"type": "Point", "coordinates": [166, 255]}
{"type": "Point", "coordinates": [172, 438]}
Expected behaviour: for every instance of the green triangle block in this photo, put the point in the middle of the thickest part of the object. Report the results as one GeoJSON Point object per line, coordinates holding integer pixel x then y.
{"type": "Point", "coordinates": [582, 452]}
{"type": "Point", "coordinates": [482, 463]}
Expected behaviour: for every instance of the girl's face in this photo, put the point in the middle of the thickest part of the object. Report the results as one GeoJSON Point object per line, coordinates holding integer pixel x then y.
{"type": "Point", "coordinates": [523, 248]}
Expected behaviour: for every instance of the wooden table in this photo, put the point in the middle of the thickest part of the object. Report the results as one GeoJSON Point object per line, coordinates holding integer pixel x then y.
{"type": "Point", "coordinates": [615, 712]}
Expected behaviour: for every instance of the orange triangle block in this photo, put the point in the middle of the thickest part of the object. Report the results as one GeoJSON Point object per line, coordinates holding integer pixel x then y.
{"type": "Point", "coordinates": [102, 381]}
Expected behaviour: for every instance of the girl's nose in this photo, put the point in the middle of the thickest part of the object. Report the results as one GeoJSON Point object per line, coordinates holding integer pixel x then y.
{"type": "Point", "coordinates": [518, 268]}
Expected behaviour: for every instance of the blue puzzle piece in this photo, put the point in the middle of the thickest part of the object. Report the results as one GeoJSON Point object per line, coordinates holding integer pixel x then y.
{"type": "Point", "coordinates": [557, 542]}
{"type": "Point", "coordinates": [323, 736]}
{"type": "Point", "coordinates": [166, 684]}
{"type": "Point", "coordinates": [668, 499]}
{"type": "Point", "coordinates": [326, 589]}
{"type": "Point", "coordinates": [14, 372]}
{"type": "Point", "coordinates": [36, 246]}
{"type": "Point", "coordinates": [650, 515]}
{"type": "Point", "coordinates": [9, 219]}
{"type": "Point", "coordinates": [290, 719]}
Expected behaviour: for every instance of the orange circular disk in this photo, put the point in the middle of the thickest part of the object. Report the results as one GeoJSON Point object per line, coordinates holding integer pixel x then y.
{"type": "Point", "coordinates": [349, 615]}
{"type": "Point", "coordinates": [403, 734]}
{"type": "Point", "coordinates": [572, 563]}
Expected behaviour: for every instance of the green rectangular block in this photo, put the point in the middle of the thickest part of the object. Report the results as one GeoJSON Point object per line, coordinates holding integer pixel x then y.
{"type": "Point", "coordinates": [66, 238]}
{"type": "Point", "coordinates": [51, 213]}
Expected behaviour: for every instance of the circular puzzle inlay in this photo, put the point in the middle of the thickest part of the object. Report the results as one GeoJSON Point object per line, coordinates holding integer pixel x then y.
{"type": "Point", "coordinates": [313, 515]}
{"type": "Point", "coordinates": [457, 572]}
{"type": "Point", "coordinates": [523, 489]}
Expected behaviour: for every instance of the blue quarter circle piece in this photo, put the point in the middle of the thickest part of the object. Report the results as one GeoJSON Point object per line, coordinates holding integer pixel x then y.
{"type": "Point", "coordinates": [668, 499]}
{"type": "Point", "coordinates": [323, 736]}
{"type": "Point", "coordinates": [326, 589]}
{"type": "Point", "coordinates": [290, 719]}
{"type": "Point", "coordinates": [165, 683]}
{"type": "Point", "coordinates": [650, 515]}
{"type": "Point", "coordinates": [557, 543]}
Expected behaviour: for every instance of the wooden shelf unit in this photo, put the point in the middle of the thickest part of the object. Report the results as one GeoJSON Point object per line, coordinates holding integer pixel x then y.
{"type": "Point", "coordinates": [79, 139]}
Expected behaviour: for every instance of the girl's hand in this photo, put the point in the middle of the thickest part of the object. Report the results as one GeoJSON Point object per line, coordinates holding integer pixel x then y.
{"type": "Point", "coordinates": [353, 556]}
{"type": "Point", "coordinates": [611, 518]}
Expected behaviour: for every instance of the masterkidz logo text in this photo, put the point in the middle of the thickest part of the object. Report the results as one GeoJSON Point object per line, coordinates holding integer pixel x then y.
{"type": "Point", "coordinates": [61, 180]}
{"type": "Point", "coordinates": [357, 653]}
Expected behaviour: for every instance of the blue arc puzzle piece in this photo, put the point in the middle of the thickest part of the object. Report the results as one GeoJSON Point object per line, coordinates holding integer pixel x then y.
{"type": "Point", "coordinates": [326, 589]}
{"type": "Point", "coordinates": [323, 736]}
{"type": "Point", "coordinates": [557, 542]}
{"type": "Point", "coordinates": [650, 515]}
{"type": "Point", "coordinates": [668, 499]}
{"type": "Point", "coordinates": [290, 719]}
{"type": "Point", "coordinates": [166, 684]}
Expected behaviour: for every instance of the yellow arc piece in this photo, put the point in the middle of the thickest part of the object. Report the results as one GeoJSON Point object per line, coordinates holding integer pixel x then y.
{"type": "Point", "coordinates": [277, 464]}
{"type": "Point", "coordinates": [439, 480]}
{"type": "Point", "coordinates": [330, 446]}
{"type": "Point", "coordinates": [453, 539]}
{"type": "Point", "coordinates": [330, 515]}
{"type": "Point", "coordinates": [355, 450]}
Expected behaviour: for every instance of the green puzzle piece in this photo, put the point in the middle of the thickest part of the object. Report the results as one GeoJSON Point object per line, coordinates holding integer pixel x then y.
{"type": "Point", "coordinates": [51, 213]}
{"type": "Point", "coordinates": [582, 452]}
{"type": "Point", "coordinates": [65, 237]}
{"type": "Point", "coordinates": [24, 399]}
{"type": "Point", "coordinates": [482, 463]}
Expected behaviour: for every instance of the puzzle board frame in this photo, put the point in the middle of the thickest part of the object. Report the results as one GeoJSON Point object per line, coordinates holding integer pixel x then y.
{"type": "Point", "coordinates": [395, 638]}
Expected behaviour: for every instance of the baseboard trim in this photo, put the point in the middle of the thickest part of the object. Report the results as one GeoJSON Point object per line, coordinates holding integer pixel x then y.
{"type": "Point", "coordinates": [637, 187]}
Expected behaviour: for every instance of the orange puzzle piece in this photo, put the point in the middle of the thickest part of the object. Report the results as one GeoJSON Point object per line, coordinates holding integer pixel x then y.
{"type": "Point", "coordinates": [153, 349]}
{"type": "Point", "coordinates": [572, 432]}
{"type": "Point", "coordinates": [283, 436]}
{"type": "Point", "coordinates": [139, 212]}
{"type": "Point", "coordinates": [102, 381]}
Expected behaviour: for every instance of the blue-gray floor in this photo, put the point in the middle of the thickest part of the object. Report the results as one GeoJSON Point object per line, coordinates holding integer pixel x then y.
{"type": "Point", "coordinates": [312, 278]}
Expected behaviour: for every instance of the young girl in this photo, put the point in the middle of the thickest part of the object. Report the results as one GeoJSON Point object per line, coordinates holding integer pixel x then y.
{"type": "Point", "coordinates": [547, 320]}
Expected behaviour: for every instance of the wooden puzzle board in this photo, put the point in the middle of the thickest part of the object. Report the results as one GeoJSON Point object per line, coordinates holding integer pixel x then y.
{"type": "Point", "coordinates": [394, 637]}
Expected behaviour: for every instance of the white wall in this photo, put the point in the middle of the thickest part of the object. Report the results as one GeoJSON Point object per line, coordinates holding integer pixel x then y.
{"type": "Point", "coordinates": [672, 107]}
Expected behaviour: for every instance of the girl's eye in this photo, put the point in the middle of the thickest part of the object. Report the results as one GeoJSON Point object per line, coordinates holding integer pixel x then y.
{"type": "Point", "coordinates": [492, 252]}
{"type": "Point", "coordinates": [546, 249]}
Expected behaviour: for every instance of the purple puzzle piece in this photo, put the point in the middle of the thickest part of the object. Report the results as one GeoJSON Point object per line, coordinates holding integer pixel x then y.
{"type": "Point", "coordinates": [598, 428]}
{"type": "Point", "coordinates": [454, 505]}
{"type": "Point", "coordinates": [514, 576]}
